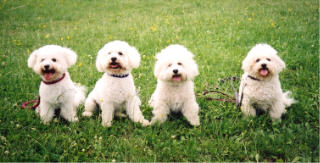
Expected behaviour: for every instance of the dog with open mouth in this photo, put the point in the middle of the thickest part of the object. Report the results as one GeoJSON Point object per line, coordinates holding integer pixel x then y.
{"type": "Point", "coordinates": [57, 90]}
{"type": "Point", "coordinates": [115, 91]}
{"type": "Point", "coordinates": [175, 70]}
{"type": "Point", "coordinates": [260, 88]}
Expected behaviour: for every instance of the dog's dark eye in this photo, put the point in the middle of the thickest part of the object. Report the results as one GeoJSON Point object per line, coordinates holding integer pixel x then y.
{"type": "Point", "coordinates": [53, 59]}
{"type": "Point", "coordinates": [269, 59]}
{"type": "Point", "coordinates": [170, 65]}
{"type": "Point", "coordinates": [258, 60]}
{"type": "Point", "coordinates": [120, 53]}
{"type": "Point", "coordinates": [179, 63]}
{"type": "Point", "coordinates": [42, 59]}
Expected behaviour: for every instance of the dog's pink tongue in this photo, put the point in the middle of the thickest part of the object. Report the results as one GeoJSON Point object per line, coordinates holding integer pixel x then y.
{"type": "Point", "coordinates": [264, 72]}
{"type": "Point", "coordinates": [48, 76]}
{"type": "Point", "coordinates": [176, 78]}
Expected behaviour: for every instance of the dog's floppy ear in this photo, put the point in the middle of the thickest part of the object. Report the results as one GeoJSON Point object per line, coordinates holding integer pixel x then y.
{"type": "Point", "coordinates": [280, 63]}
{"type": "Point", "coordinates": [157, 69]}
{"type": "Point", "coordinates": [192, 65]}
{"type": "Point", "coordinates": [71, 56]}
{"type": "Point", "coordinates": [158, 56]}
{"type": "Point", "coordinates": [157, 66]}
{"type": "Point", "coordinates": [134, 57]}
{"type": "Point", "coordinates": [32, 59]}
{"type": "Point", "coordinates": [246, 63]}
{"type": "Point", "coordinates": [193, 69]}
{"type": "Point", "coordinates": [99, 60]}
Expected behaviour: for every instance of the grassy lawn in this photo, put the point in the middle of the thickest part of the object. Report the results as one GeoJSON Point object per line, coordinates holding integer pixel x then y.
{"type": "Point", "coordinates": [219, 33]}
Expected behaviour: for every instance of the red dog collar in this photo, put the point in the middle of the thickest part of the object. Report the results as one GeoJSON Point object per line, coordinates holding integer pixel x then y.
{"type": "Point", "coordinates": [56, 81]}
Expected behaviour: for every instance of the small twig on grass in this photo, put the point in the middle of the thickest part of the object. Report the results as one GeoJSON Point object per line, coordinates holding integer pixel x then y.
{"type": "Point", "coordinates": [17, 7]}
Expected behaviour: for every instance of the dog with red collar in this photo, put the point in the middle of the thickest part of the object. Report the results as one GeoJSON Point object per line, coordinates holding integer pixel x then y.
{"type": "Point", "coordinates": [57, 90]}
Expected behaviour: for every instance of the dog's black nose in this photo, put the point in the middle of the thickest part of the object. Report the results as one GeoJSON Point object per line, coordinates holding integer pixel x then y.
{"type": "Point", "coordinates": [175, 71]}
{"type": "Point", "coordinates": [113, 59]}
{"type": "Point", "coordinates": [264, 65]}
{"type": "Point", "coordinates": [46, 67]}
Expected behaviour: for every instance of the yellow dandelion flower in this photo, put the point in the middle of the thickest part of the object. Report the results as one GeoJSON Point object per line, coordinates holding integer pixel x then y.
{"type": "Point", "coordinates": [154, 28]}
{"type": "Point", "coordinates": [110, 37]}
{"type": "Point", "coordinates": [47, 35]}
{"type": "Point", "coordinates": [273, 24]}
{"type": "Point", "coordinates": [61, 38]}
{"type": "Point", "coordinates": [44, 26]}
{"type": "Point", "coordinates": [167, 20]}
{"type": "Point", "coordinates": [250, 19]}
{"type": "Point", "coordinates": [168, 41]}
{"type": "Point", "coordinates": [28, 51]}
{"type": "Point", "coordinates": [18, 42]}
{"type": "Point", "coordinates": [131, 28]}
{"type": "Point", "coordinates": [68, 38]}
{"type": "Point", "coordinates": [80, 64]}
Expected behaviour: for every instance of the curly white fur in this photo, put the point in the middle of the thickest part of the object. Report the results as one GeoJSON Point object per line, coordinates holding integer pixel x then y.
{"type": "Point", "coordinates": [51, 62]}
{"type": "Point", "coordinates": [260, 85]}
{"type": "Point", "coordinates": [115, 94]}
{"type": "Point", "coordinates": [175, 70]}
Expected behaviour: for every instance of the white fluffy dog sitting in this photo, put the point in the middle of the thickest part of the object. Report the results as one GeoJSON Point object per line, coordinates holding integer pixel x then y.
{"type": "Point", "coordinates": [174, 70]}
{"type": "Point", "coordinates": [56, 89]}
{"type": "Point", "coordinates": [115, 92]}
{"type": "Point", "coordinates": [260, 88]}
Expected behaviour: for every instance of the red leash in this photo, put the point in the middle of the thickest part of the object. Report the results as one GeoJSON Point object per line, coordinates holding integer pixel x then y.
{"type": "Point", "coordinates": [35, 102]}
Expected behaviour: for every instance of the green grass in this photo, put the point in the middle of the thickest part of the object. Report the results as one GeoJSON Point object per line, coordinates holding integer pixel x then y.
{"type": "Point", "coordinates": [219, 33]}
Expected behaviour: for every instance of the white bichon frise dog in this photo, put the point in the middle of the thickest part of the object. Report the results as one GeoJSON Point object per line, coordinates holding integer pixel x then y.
{"type": "Point", "coordinates": [175, 70]}
{"type": "Point", "coordinates": [115, 92]}
{"type": "Point", "coordinates": [56, 89]}
{"type": "Point", "coordinates": [260, 88]}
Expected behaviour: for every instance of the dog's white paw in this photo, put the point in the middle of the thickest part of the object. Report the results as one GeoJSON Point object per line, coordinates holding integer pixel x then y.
{"type": "Point", "coordinates": [75, 119]}
{"type": "Point", "coordinates": [45, 122]}
{"type": "Point", "coordinates": [106, 124]}
{"type": "Point", "coordinates": [156, 120]}
{"type": "Point", "coordinates": [145, 122]}
{"type": "Point", "coordinates": [195, 122]}
{"type": "Point", "coordinates": [87, 114]}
